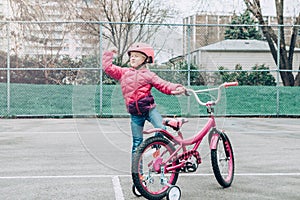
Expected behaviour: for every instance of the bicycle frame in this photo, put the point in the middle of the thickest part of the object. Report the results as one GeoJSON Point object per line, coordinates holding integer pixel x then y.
{"type": "Point", "coordinates": [208, 128]}
{"type": "Point", "coordinates": [157, 156]}
{"type": "Point", "coordinates": [189, 141]}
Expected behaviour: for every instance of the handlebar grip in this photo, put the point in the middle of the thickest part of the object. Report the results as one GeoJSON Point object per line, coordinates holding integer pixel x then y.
{"type": "Point", "coordinates": [229, 84]}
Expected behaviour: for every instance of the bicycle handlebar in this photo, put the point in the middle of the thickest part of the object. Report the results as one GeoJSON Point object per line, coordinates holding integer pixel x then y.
{"type": "Point", "coordinates": [230, 84]}
{"type": "Point", "coordinates": [225, 85]}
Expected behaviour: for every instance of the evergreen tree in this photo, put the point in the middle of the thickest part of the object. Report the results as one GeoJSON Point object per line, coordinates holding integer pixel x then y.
{"type": "Point", "coordinates": [243, 32]}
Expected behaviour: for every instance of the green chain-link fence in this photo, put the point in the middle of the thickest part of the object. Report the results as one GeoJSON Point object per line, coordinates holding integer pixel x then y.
{"type": "Point", "coordinates": [57, 75]}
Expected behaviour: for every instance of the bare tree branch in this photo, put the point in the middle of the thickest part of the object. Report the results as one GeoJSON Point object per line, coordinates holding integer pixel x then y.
{"type": "Point", "coordinates": [125, 20]}
{"type": "Point", "coordinates": [286, 57]}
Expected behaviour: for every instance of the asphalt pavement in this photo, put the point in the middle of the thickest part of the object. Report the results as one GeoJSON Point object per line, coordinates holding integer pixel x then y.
{"type": "Point", "coordinates": [89, 158]}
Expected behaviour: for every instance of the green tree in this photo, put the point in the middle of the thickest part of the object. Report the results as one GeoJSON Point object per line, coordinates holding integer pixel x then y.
{"type": "Point", "coordinates": [260, 75]}
{"type": "Point", "coordinates": [243, 32]}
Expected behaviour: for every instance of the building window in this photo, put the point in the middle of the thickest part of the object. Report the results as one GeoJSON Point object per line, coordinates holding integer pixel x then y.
{"type": "Point", "coordinates": [88, 1]}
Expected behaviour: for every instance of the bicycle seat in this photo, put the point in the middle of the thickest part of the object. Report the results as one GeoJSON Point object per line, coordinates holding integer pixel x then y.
{"type": "Point", "coordinates": [175, 123]}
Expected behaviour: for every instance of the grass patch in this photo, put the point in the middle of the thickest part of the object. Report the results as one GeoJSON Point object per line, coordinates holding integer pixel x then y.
{"type": "Point", "coordinates": [66, 100]}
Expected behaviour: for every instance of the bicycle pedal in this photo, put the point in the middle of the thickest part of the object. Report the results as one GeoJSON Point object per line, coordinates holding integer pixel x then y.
{"type": "Point", "coordinates": [191, 167]}
{"type": "Point", "coordinates": [183, 169]}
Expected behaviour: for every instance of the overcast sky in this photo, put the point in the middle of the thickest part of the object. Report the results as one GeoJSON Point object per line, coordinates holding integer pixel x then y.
{"type": "Point", "coordinates": [191, 7]}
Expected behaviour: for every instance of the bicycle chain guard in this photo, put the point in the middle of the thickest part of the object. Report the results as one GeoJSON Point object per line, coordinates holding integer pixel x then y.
{"type": "Point", "coordinates": [190, 166]}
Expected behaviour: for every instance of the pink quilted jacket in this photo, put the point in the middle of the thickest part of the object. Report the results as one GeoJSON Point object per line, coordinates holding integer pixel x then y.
{"type": "Point", "coordinates": [136, 84]}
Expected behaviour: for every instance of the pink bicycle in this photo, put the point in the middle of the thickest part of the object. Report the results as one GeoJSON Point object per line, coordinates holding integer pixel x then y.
{"type": "Point", "coordinates": [159, 160]}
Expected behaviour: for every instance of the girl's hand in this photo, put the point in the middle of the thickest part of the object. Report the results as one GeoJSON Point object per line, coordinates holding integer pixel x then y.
{"type": "Point", "coordinates": [179, 90]}
{"type": "Point", "coordinates": [113, 50]}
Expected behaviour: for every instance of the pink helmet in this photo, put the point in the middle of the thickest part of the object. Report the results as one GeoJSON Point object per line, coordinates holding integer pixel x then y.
{"type": "Point", "coordinates": [143, 48]}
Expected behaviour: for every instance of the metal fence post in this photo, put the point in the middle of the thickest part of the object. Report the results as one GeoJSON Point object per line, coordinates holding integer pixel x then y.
{"type": "Point", "coordinates": [278, 71]}
{"type": "Point", "coordinates": [189, 67]}
{"type": "Point", "coordinates": [8, 69]}
{"type": "Point", "coordinates": [101, 72]}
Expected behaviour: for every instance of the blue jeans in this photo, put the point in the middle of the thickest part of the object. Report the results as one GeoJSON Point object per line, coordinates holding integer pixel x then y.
{"type": "Point", "coordinates": [137, 125]}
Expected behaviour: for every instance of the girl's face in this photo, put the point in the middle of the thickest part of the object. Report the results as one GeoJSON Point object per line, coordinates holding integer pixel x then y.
{"type": "Point", "coordinates": [136, 59]}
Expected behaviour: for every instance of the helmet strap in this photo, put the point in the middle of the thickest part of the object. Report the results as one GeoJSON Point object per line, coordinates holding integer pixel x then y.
{"type": "Point", "coordinates": [141, 65]}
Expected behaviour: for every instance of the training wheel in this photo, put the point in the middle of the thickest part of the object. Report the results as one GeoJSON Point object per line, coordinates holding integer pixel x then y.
{"type": "Point", "coordinates": [135, 191]}
{"type": "Point", "coordinates": [173, 193]}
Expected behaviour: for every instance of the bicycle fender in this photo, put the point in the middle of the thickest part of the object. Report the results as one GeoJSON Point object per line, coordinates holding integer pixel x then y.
{"type": "Point", "coordinates": [214, 141]}
{"type": "Point", "coordinates": [161, 131]}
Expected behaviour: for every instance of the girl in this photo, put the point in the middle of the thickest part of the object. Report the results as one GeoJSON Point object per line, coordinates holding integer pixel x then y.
{"type": "Point", "coordinates": [136, 83]}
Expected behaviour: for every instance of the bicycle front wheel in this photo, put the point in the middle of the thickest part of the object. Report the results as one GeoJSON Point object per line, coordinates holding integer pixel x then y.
{"type": "Point", "coordinates": [148, 171]}
{"type": "Point", "coordinates": [222, 160]}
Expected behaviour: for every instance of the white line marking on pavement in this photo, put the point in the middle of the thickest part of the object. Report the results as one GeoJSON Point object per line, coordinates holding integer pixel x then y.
{"type": "Point", "coordinates": [55, 177]}
{"type": "Point", "coordinates": [248, 174]}
{"type": "Point", "coordinates": [125, 175]}
{"type": "Point", "coordinates": [117, 188]}
{"type": "Point", "coordinates": [268, 174]}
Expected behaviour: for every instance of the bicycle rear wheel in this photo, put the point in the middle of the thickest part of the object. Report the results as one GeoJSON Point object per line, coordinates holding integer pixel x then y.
{"type": "Point", "coordinates": [147, 174]}
{"type": "Point", "coordinates": [222, 160]}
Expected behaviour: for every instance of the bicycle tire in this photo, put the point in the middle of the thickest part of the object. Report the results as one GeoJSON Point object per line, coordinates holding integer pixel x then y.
{"type": "Point", "coordinates": [222, 160]}
{"type": "Point", "coordinates": [146, 177]}
{"type": "Point", "coordinates": [174, 193]}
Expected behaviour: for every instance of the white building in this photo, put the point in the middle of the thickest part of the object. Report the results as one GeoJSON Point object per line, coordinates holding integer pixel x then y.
{"type": "Point", "coordinates": [45, 34]}
{"type": "Point", "coordinates": [247, 53]}
{"type": "Point", "coordinates": [210, 28]}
